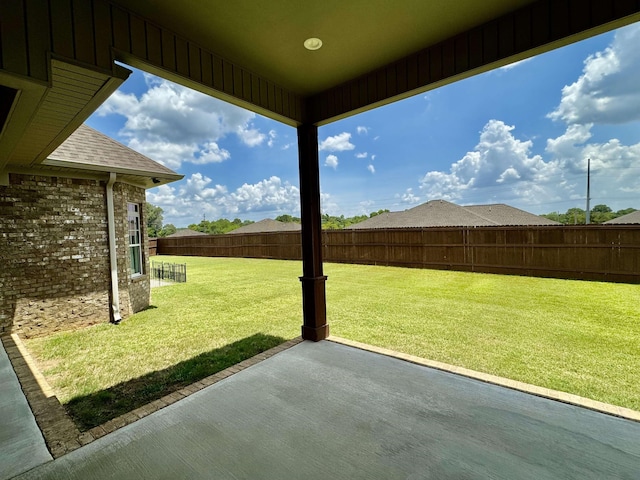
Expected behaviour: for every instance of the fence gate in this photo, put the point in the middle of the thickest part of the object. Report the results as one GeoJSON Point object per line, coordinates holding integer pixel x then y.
{"type": "Point", "coordinates": [170, 272]}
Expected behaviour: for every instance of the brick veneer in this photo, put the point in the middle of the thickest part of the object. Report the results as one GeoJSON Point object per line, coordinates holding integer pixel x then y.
{"type": "Point", "coordinates": [55, 255]}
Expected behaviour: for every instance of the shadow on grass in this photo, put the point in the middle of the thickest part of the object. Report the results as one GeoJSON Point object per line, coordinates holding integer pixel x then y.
{"type": "Point", "coordinates": [95, 409]}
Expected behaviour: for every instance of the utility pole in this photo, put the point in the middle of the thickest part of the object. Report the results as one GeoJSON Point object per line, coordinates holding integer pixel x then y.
{"type": "Point", "coordinates": [588, 213]}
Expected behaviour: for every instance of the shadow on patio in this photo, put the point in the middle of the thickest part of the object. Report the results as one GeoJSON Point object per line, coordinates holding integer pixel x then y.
{"type": "Point", "coordinates": [97, 408]}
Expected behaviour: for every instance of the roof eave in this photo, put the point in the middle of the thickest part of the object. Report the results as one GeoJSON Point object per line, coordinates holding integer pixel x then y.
{"type": "Point", "coordinates": [151, 179]}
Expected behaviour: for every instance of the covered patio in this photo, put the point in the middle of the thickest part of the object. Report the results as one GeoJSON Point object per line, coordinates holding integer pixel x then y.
{"type": "Point", "coordinates": [327, 410]}
{"type": "Point", "coordinates": [317, 410]}
{"type": "Point", "coordinates": [305, 64]}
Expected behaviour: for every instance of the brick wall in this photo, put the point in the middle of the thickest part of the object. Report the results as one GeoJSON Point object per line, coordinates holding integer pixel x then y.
{"type": "Point", "coordinates": [55, 255]}
{"type": "Point", "coordinates": [134, 292]}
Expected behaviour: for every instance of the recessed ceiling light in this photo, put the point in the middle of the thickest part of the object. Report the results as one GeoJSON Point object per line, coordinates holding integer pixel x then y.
{"type": "Point", "coordinates": [312, 43]}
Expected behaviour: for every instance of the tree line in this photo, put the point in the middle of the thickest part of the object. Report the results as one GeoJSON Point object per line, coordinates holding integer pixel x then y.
{"type": "Point", "coordinates": [333, 222]}
{"type": "Point", "coordinates": [155, 227]}
{"type": "Point", "coordinates": [220, 226]}
{"type": "Point", "coordinates": [577, 216]}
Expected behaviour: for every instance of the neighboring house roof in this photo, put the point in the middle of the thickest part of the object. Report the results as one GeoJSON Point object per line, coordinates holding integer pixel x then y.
{"type": "Point", "coordinates": [382, 220]}
{"type": "Point", "coordinates": [88, 149]}
{"type": "Point", "coordinates": [629, 219]}
{"type": "Point", "coordinates": [440, 213]}
{"type": "Point", "coordinates": [503, 214]}
{"type": "Point", "coordinates": [267, 225]}
{"type": "Point", "coordinates": [185, 232]}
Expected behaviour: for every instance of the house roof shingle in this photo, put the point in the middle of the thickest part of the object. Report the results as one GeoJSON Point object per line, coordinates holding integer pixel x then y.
{"type": "Point", "coordinates": [628, 219]}
{"type": "Point", "coordinates": [267, 225]}
{"type": "Point", "coordinates": [440, 213]}
{"type": "Point", "coordinates": [88, 149]}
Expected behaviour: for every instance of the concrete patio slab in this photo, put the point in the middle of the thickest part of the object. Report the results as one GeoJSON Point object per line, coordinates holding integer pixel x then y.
{"type": "Point", "coordinates": [325, 410]}
{"type": "Point", "coordinates": [22, 446]}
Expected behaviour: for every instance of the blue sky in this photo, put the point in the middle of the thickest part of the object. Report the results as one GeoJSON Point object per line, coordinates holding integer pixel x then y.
{"type": "Point", "coordinates": [519, 135]}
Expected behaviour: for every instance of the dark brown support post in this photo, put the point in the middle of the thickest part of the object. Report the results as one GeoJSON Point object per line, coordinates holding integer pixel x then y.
{"type": "Point", "coordinates": [314, 308]}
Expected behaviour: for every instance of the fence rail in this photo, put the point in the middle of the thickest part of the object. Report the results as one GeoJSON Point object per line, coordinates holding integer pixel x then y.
{"type": "Point", "coordinates": [592, 252]}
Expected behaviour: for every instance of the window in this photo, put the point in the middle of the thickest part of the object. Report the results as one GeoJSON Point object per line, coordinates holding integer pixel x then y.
{"type": "Point", "coordinates": [135, 243]}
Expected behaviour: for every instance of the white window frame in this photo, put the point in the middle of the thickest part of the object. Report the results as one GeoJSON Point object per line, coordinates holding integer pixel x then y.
{"type": "Point", "coordinates": [136, 267]}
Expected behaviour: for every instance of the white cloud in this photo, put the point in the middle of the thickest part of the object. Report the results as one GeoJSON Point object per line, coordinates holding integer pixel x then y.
{"type": "Point", "coordinates": [614, 166]}
{"type": "Point", "coordinates": [329, 206]}
{"type": "Point", "coordinates": [211, 153]}
{"type": "Point", "coordinates": [508, 175]}
{"type": "Point", "coordinates": [192, 198]}
{"type": "Point", "coordinates": [514, 64]}
{"type": "Point", "coordinates": [361, 155]}
{"type": "Point", "coordinates": [371, 168]}
{"type": "Point", "coordinates": [502, 168]}
{"type": "Point", "coordinates": [173, 124]}
{"type": "Point", "coordinates": [409, 197]}
{"type": "Point", "coordinates": [331, 161]}
{"type": "Point", "coordinates": [564, 146]}
{"type": "Point", "coordinates": [373, 157]}
{"type": "Point", "coordinates": [337, 143]}
{"type": "Point", "coordinates": [267, 195]}
{"type": "Point", "coordinates": [250, 136]}
{"type": "Point", "coordinates": [362, 130]}
{"type": "Point", "coordinates": [196, 187]}
{"type": "Point", "coordinates": [272, 137]}
{"type": "Point", "coordinates": [499, 159]}
{"type": "Point", "coordinates": [607, 91]}
{"type": "Point", "coordinates": [168, 153]}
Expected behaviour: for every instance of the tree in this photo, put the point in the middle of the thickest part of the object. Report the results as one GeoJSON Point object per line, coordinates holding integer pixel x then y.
{"type": "Point", "coordinates": [219, 226]}
{"type": "Point", "coordinates": [153, 216]}
{"type": "Point", "coordinates": [601, 214]}
{"type": "Point", "coordinates": [287, 219]}
{"type": "Point", "coordinates": [330, 222]}
{"type": "Point", "coordinates": [375, 214]}
{"type": "Point", "coordinates": [167, 230]}
{"type": "Point", "coordinates": [601, 209]}
{"type": "Point", "coordinates": [576, 216]}
{"type": "Point", "coordinates": [626, 211]}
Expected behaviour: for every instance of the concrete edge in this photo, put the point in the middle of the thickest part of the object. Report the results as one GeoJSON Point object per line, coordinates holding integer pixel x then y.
{"type": "Point", "coordinates": [563, 397]}
{"type": "Point", "coordinates": [60, 433]}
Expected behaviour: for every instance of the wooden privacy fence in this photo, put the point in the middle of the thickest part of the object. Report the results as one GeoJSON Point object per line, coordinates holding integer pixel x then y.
{"type": "Point", "coordinates": [153, 246]}
{"type": "Point", "coordinates": [594, 252]}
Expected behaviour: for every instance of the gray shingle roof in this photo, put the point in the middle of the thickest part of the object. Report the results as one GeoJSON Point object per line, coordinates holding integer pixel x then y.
{"type": "Point", "coordinates": [383, 220]}
{"type": "Point", "coordinates": [267, 225]}
{"type": "Point", "coordinates": [440, 213]}
{"type": "Point", "coordinates": [88, 149]}
{"type": "Point", "coordinates": [629, 219]}
{"type": "Point", "coordinates": [503, 214]}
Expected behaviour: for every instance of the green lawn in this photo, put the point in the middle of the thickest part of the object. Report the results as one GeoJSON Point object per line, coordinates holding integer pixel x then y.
{"type": "Point", "coordinates": [578, 337]}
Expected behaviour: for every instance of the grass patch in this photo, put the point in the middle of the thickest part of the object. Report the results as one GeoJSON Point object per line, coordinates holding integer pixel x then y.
{"type": "Point", "coordinates": [98, 407]}
{"type": "Point", "coordinates": [228, 311]}
{"type": "Point", "coordinates": [574, 336]}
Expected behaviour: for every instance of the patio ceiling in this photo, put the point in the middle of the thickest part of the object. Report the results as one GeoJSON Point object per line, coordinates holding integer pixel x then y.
{"type": "Point", "coordinates": [56, 60]}
{"type": "Point", "coordinates": [359, 36]}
